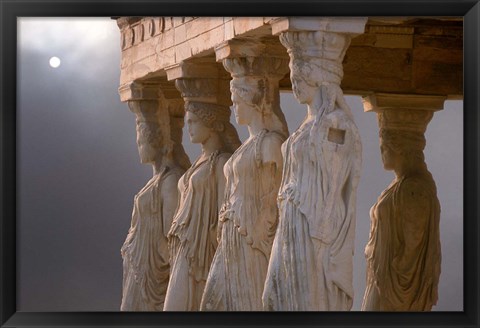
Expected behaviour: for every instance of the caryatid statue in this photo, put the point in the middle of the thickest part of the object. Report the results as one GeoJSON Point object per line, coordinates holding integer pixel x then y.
{"type": "Point", "coordinates": [403, 252]}
{"type": "Point", "coordinates": [145, 251]}
{"type": "Point", "coordinates": [249, 215]}
{"type": "Point", "coordinates": [193, 235]}
{"type": "Point", "coordinates": [311, 265]}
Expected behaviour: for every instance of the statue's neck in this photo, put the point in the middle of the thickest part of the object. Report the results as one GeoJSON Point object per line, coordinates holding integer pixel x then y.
{"type": "Point", "coordinates": [212, 144]}
{"type": "Point", "coordinates": [408, 169]}
{"type": "Point", "coordinates": [160, 164]}
{"type": "Point", "coordinates": [315, 106]}
{"type": "Point", "coordinates": [257, 122]}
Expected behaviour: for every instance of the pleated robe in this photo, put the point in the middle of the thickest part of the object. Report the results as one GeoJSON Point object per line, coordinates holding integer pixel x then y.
{"type": "Point", "coordinates": [311, 266]}
{"type": "Point", "coordinates": [248, 222]}
{"type": "Point", "coordinates": [145, 251]}
{"type": "Point", "coordinates": [403, 252]}
{"type": "Point", "coordinates": [193, 235]}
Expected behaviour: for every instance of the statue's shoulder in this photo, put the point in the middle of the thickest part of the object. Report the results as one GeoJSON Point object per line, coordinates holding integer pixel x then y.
{"type": "Point", "coordinates": [224, 156]}
{"type": "Point", "coordinates": [339, 119]}
{"type": "Point", "coordinates": [417, 185]}
{"type": "Point", "coordinates": [271, 144]}
{"type": "Point", "coordinates": [415, 193]}
{"type": "Point", "coordinates": [172, 174]}
{"type": "Point", "coordinates": [221, 160]}
{"type": "Point", "coordinates": [273, 138]}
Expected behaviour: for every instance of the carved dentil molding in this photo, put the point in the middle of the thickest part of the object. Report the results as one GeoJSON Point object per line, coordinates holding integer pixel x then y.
{"type": "Point", "coordinates": [135, 30]}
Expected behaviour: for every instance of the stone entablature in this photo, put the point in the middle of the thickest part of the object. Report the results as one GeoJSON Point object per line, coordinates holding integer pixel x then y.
{"type": "Point", "coordinates": [401, 55]}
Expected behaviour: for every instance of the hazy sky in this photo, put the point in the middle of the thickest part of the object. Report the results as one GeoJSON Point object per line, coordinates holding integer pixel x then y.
{"type": "Point", "coordinates": [78, 171]}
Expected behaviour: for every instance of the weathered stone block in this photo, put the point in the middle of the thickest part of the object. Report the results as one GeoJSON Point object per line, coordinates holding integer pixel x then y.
{"type": "Point", "coordinates": [167, 39]}
{"type": "Point", "coordinates": [244, 24]}
{"type": "Point", "coordinates": [140, 68]}
{"type": "Point", "coordinates": [176, 21]}
{"type": "Point", "coordinates": [377, 69]}
{"type": "Point", "coordinates": [207, 40]}
{"type": "Point", "coordinates": [438, 71]}
{"type": "Point", "coordinates": [229, 30]}
{"type": "Point", "coordinates": [183, 51]}
{"type": "Point", "coordinates": [202, 25]}
{"type": "Point", "coordinates": [166, 57]}
{"type": "Point", "coordinates": [180, 34]}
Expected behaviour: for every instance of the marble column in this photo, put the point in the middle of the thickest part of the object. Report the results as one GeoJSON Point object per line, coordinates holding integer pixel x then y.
{"type": "Point", "coordinates": [311, 265]}
{"type": "Point", "coordinates": [403, 252]}
{"type": "Point", "coordinates": [204, 86]}
{"type": "Point", "coordinates": [145, 251]}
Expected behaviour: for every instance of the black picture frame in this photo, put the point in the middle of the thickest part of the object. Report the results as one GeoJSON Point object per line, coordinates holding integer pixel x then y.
{"type": "Point", "coordinates": [10, 10]}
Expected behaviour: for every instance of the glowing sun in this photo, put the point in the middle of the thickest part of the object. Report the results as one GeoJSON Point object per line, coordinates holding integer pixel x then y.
{"type": "Point", "coordinates": [54, 62]}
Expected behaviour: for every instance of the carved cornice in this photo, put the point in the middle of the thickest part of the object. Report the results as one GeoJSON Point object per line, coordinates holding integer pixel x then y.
{"type": "Point", "coordinates": [138, 91]}
{"type": "Point", "coordinates": [135, 31]}
{"type": "Point", "coordinates": [149, 90]}
{"type": "Point", "coordinates": [383, 59]}
{"type": "Point", "coordinates": [200, 68]}
{"type": "Point", "coordinates": [382, 101]}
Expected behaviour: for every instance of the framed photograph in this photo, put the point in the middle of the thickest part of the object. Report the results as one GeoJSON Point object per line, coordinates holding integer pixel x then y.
{"type": "Point", "coordinates": [70, 165]}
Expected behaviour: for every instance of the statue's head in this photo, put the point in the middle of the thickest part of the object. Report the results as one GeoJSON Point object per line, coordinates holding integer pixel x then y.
{"type": "Point", "coordinates": [254, 89]}
{"type": "Point", "coordinates": [402, 136]}
{"type": "Point", "coordinates": [149, 136]}
{"type": "Point", "coordinates": [204, 120]}
{"type": "Point", "coordinates": [248, 94]}
{"type": "Point", "coordinates": [315, 60]}
{"type": "Point", "coordinates": [159, 126]}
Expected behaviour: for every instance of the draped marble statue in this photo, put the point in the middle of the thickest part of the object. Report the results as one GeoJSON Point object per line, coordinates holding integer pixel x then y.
{"type": "Point", "coordinates": [403, 252]}
{"type": "Point", "coordinates": [192, 237]}
{"type": "Point", "coordinates": [249, 215]}
{"type": "Point", "coordinates": [311, 265]}
{"type": "Point", "coordinates": [145, 251]}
